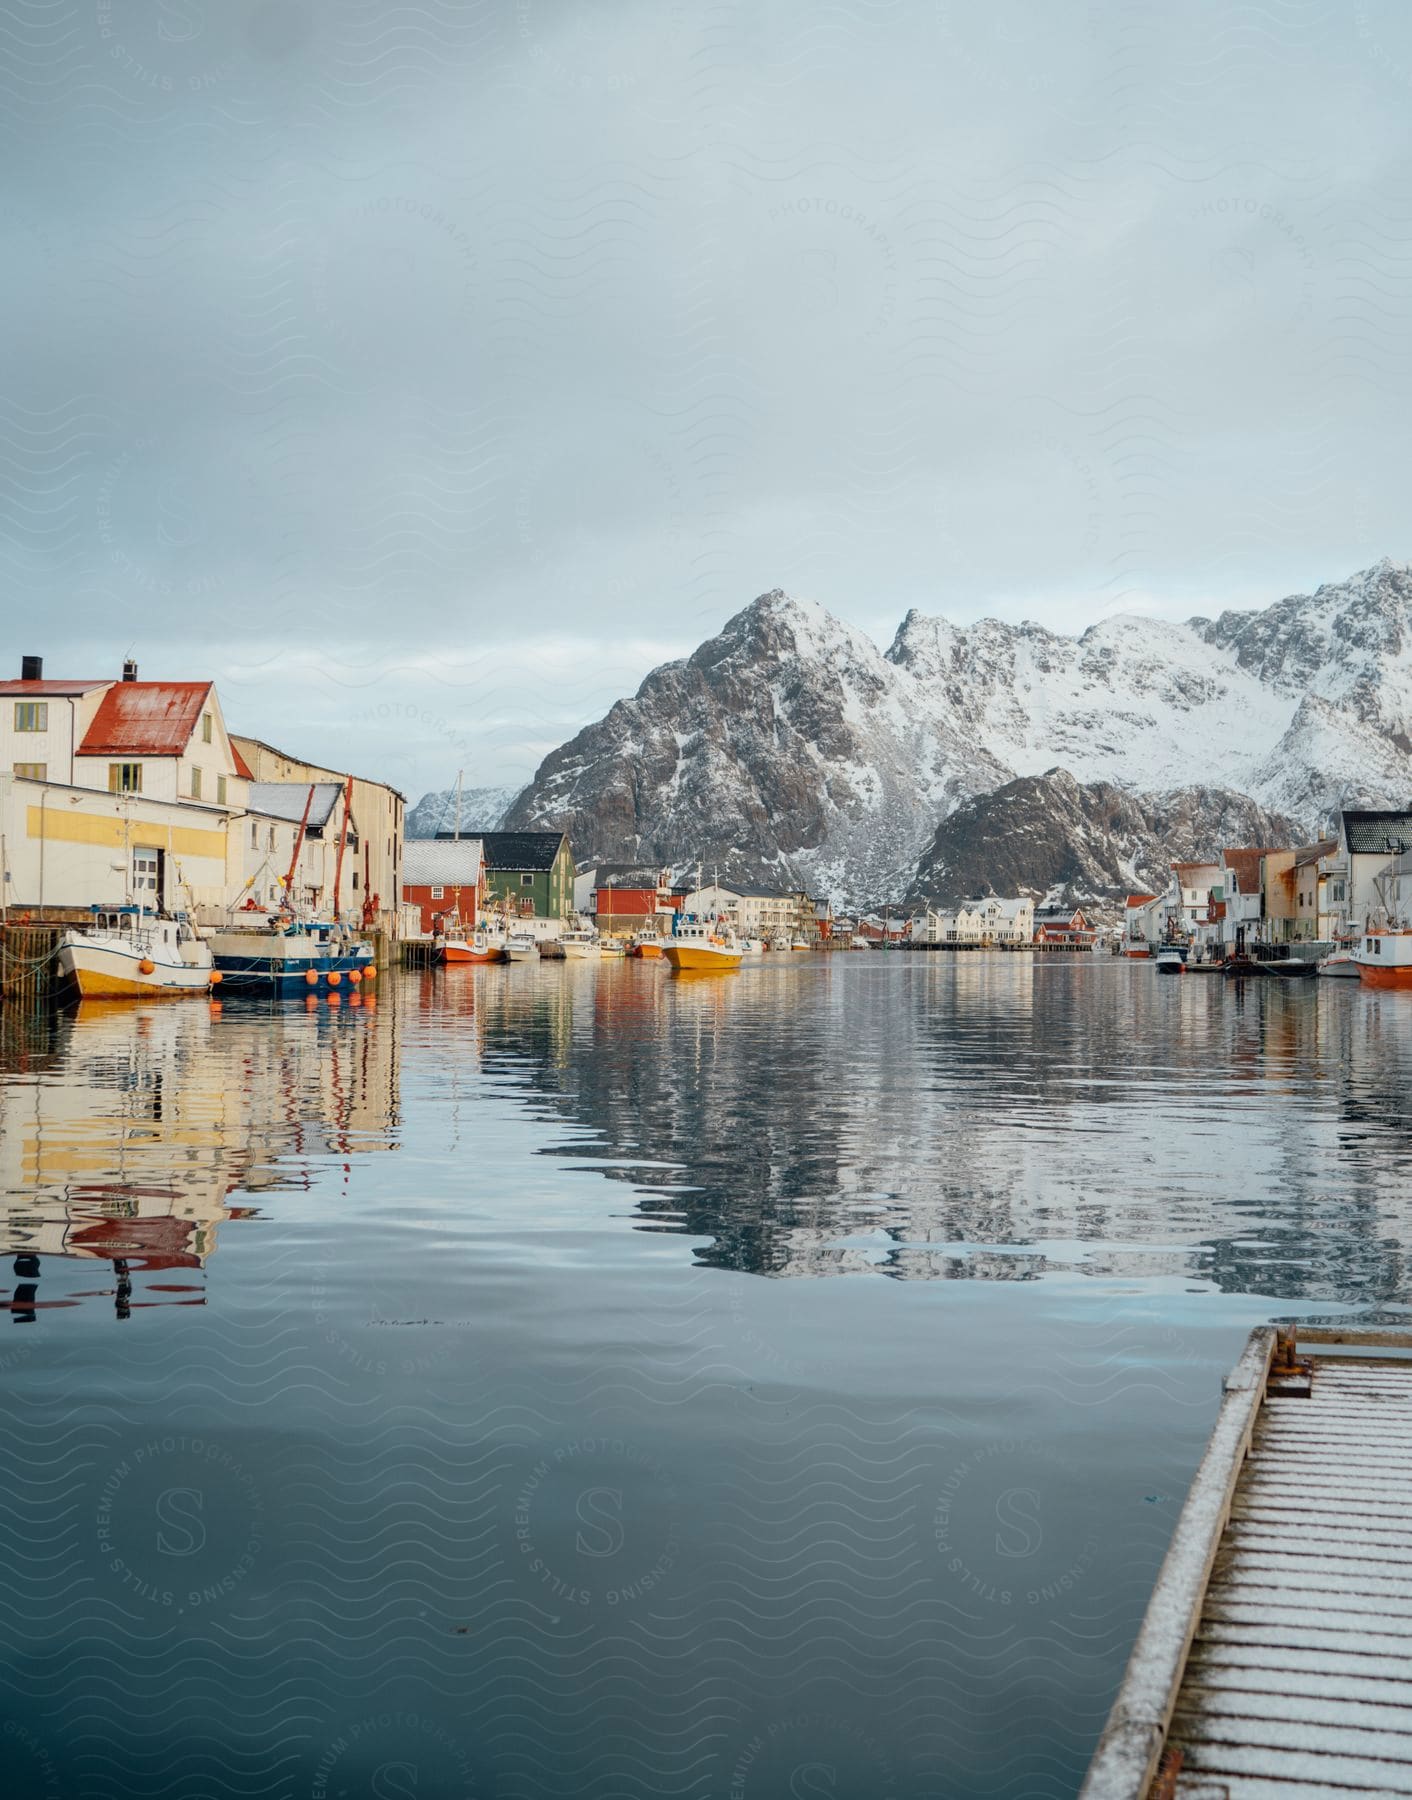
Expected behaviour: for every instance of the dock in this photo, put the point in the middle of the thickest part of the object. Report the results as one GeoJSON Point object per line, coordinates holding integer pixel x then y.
{"type": "Point", "coordinates": [1275, 1658]}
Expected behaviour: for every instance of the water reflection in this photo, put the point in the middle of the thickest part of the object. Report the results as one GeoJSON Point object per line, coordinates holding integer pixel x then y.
{"type": "Point", "coordinates": [906, 1119]}
{"type": "Point", "coordinates": [454, 1443]}
{"type": "Point", "coordinates": [124, 1132]}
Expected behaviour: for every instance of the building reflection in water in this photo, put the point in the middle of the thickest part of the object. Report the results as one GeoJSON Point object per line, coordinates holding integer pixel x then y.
{"type": "Point", "coordinates": [126, 1134]}
{"type": "Point", "coordinates": [919, 1118]}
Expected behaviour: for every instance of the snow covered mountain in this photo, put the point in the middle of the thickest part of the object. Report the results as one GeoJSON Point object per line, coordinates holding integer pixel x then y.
{"type": "Point", "coordinates": [481, 810]}
{"type": "Point", "coordinates": [1077, 843]}
{"type": "Point", "coordinates": [789, 742]}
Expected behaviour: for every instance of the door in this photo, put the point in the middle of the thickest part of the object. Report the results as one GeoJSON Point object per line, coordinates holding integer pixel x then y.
{"type": "Point", "coordinates": [149, 878]}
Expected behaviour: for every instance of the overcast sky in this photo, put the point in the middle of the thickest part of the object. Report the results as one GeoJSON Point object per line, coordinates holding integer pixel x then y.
{"type": "Point", "coordinates": [426, 373]}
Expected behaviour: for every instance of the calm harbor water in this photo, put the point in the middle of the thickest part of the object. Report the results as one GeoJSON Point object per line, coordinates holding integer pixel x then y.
{"type": "Point", "coordinates": [556, 1381]}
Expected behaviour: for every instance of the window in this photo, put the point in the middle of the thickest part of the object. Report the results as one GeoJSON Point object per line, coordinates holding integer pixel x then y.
{"type": "Point", "coordinates": [438, 893]}
{"type": "Point", "coordinates": [146, 865]}
{"type": "Point", "coordinates": [272, 837]}
{"type": "Point", "coordinates": [527, 881]}
{"type": "Point", "coordinates": [205, 728]}
{"type": "Point", "coordinates": [31, 715]}
{"type": "Point", "coordinates": [254, 835]}
{"type": "Point", "coordinates": [196, 784]}
{"type": "Point", "coordinates": [32, 771]}
{"type": "Point", "coordinates": [124, 778]}
{"type": "Point", "coordinates": [220, 790]}
{"type": "Point", "coordinates": [355, 881]}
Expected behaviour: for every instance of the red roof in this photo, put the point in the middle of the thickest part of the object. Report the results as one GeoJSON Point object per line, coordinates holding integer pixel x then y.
{"type": "Point", "coordinates": [145, 718]}
{"type": "Point", "coordinates": [242, 768]}
{"type": "Point", "coordinates": [1244, 864]}
{"type": "Point", "coordinates": [60, 689]}
{"type": "Point", "coordinates": [1140, 899]}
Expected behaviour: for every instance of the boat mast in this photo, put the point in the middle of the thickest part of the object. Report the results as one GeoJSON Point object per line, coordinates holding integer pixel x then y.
{"type": "Point", "coordinates": [298, 846]}
{"type": "Point", "coordinates": [338, 860]}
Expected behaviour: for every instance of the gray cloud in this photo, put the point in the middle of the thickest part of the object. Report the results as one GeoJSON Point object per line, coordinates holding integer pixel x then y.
{"type": "Point", "coordinates": [425, 373]}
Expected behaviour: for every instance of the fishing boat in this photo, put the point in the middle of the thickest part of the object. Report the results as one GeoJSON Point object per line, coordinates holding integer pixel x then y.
{"type": "Point", "coordinates": [1383, 956]}
{"type": "Point", "coordinates": [478, 946]}
{"type": "Point", "coordinates": [129, 953]}
{"type": "Point", "coordinates": [1268, 960]}
{"type": "Point", "coordinates": [1170, 960]}
{"type": "Point", "coordinates": [1339, 965]}
{"type": "Point", "coordinates": [276, 953]}
{"type": "Point", "coordinates": [580, 943]}
{"type": "Point", "coordinates": [752, 946]}
{"type": "Point", "coordinates": [522, 946]}
{"type": "Point", "coordinates": [705, 946]}
{"type": "Point", "coordinates": [799, 944]}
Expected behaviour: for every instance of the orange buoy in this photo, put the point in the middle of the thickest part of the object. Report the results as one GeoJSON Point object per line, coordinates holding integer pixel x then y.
{"type": "Point", "coordinates": [334, 978]}
{"type": "Point", "coordinates": [354, 976]}
{"type": "Point", "coordinates": [311, 976]}
{"type": "Point", "coordinates": [369, 972]}
{"type": "Point", "coordinates": [146, 966]}
{"type": "Point", "coordinates": [216, 978]}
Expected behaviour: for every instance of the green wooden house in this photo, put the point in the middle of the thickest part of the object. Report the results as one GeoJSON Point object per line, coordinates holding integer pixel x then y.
{"type": "Point", "coordinates": [528, 872]}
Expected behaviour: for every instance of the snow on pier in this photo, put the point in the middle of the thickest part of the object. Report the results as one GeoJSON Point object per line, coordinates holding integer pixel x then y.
{"type": "Point", "coordinates": [1275, 1660]}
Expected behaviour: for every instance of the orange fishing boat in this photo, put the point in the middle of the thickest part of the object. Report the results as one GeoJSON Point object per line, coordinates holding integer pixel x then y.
{"type": "Point", "coordinates": [1384, 957]}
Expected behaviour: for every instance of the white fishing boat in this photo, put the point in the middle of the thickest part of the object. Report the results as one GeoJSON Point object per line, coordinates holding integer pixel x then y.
{"type": "Point", "coordinates": [752, 946]}
{"type": "Point", "coordinates": [128, 953]}
{"type": "Point", "coordinates": [522, 946]}
{"type": "Point", "coordinates": [1339, 965]}
{"type": "Point", "coordinates": [580, 943]}
{"type": "Point", "coordinates": [1170, 959]}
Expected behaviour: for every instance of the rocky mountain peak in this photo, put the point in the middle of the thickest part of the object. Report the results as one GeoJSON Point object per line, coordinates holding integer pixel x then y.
{"type": "Point", "coordinates": [789, 741]}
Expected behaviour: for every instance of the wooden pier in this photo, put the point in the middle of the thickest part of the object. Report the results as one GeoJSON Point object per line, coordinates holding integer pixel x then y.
{"type": "Point", "coordinates": [1275, 1660]}
{"type": "Point", "coordinates": [27, 954]}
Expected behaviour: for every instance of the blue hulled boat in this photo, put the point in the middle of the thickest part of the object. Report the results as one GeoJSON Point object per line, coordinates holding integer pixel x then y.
{"type": "Point", "coordinates": [274, 954]}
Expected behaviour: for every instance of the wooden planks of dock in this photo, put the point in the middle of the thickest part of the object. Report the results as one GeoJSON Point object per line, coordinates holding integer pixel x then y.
{"type": "Point", "coordinates": [1275, 1660]}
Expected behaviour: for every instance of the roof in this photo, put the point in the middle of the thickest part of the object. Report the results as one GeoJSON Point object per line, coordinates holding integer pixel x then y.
{"type": "Point", "coordinates": [1312, 852]}
{"type": "Point", "coordinates": [1140, 899]}
{"type": "Point", "coordinates": [302, 762]}
{"type": "Point", "coordinates": [441, 862]}
{"type": "Point", "coordinates": [285, 800]}
{"type": "Point", "coordinates": [1202, 863]}
{"type": "Point", "coordinates": [145, 718]}
{"type": "Point", "coordinates": [625, 875]}
{"type": "Point", "coordinates": [520, 850]}
{"type": "Point", "coordinates": [242, 768]}
{"type": "Point", "coordinates": [37, 690]}
{"type": "Point", "coordinates": [1244, 864]}
{"type": "Point", "coordinates": [1368, 833]}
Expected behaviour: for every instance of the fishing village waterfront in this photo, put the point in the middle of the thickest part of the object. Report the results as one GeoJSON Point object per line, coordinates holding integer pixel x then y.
{"type": "Point", "coordinates": [378, 1436]}
{"type": "Point", "coordinates": [571, 1378]}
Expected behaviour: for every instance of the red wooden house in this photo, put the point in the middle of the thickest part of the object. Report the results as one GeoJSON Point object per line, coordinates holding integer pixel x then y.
{"type": "Point", "coordinates": [442, 876]}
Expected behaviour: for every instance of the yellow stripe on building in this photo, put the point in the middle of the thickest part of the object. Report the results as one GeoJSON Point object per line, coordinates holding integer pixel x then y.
{"type": "Point", "coordinates": [69, 827]}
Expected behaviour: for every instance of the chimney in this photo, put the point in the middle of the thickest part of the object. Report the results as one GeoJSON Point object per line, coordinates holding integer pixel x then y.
{"type": "Point", "coordinates": [31, 668]}
{"type": "Point", "coordinates": [129, 670]}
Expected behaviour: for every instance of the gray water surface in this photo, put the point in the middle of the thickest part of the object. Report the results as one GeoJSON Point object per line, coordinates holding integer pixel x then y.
{"type": "Point", "coordinates": [575, 1380]}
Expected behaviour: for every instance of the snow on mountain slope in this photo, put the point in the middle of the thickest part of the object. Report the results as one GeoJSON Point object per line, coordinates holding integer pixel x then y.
{"type": "Point", "coordinates": [790, 743]}
{"type": "Point", "coordinates": [481, 810]}
{"type": "Point", "coordinates": [1139, 702]}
